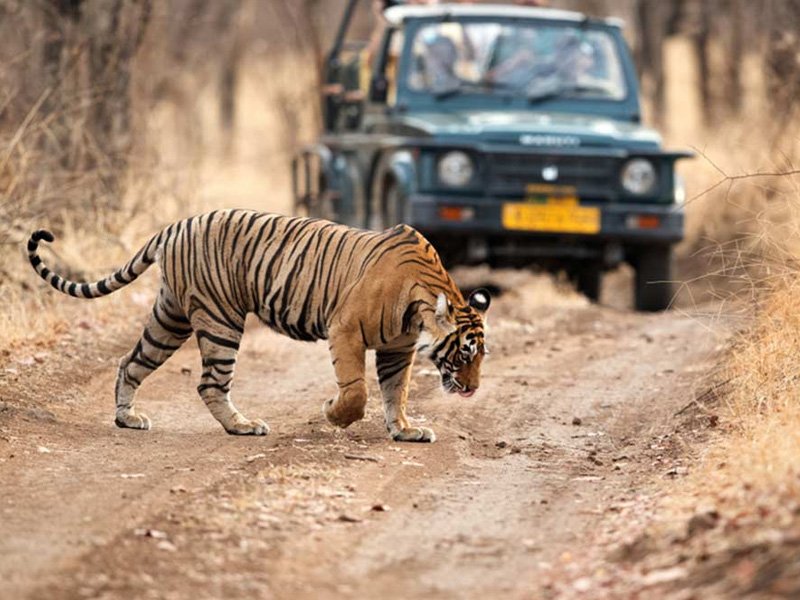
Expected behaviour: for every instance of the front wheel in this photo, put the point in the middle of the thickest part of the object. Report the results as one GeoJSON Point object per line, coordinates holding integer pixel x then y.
{"type": "Point", "coordinates": [653, 281]}
{"type": "Point", "coordinates": [587, 280]}
{"type": "Point", "coordinates": [392, 208]}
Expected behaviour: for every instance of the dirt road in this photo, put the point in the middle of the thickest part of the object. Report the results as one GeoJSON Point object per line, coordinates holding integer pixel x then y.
{"type": "Point", "coordinates": [572, 395]}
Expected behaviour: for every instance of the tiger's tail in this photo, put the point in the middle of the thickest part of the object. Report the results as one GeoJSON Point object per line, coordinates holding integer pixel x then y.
{"type": "Point", "coordinates": [117, 280]}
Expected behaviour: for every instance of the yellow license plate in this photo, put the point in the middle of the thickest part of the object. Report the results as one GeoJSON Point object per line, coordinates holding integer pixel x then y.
{"type": "Point", "coordinates": [557, 215]}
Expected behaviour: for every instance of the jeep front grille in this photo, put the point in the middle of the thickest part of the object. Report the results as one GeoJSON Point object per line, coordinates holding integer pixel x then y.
{"type": "Point", "coordinates": [595, 177]}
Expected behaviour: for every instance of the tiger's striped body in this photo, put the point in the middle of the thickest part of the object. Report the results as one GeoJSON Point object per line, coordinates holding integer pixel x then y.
{"type": "Point", "coordinates": [310, 280]}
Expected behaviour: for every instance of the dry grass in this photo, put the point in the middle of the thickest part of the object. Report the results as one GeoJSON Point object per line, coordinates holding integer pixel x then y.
{"type": "Point", "coordinates": [184, 168]}
{"type": "Point", "coordinates": [742, 252]}
{"type": "Point", "coordinates": [743, 233]}
{"type": "Point", "coordinates": [731, 527]}
{"type": "Point", "coordinates": [91, 240]}
{"type": "Point", "coordinates": [760, 406]}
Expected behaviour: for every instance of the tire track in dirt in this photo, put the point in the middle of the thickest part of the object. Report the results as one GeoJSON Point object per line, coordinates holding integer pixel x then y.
{"type": "Point", "coordinates": [510, 487]}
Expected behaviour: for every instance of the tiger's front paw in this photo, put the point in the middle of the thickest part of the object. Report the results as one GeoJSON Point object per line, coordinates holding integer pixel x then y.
{"type": "Point", "coordinates": [414, 434]}
{"type": "Point", "coordinates": [246, 427]}
{"type": "Point", "coordinates": [132, 420]}
{"type": "Point", "coordinates": [342, 414]}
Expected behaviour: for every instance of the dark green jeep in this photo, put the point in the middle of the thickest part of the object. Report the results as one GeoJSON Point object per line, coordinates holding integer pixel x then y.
{"type": "Point", "coordinates": [507, 135]}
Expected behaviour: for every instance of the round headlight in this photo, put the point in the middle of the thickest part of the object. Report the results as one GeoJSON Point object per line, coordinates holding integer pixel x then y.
{"type": "Point", "coordinates": [639, 176]}
{"type": "Point", "coordinates": [455, 169]}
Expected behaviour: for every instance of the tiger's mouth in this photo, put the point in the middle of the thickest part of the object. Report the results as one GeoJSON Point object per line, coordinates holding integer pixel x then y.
{"type": "Point", "coordinates": [453, 386]}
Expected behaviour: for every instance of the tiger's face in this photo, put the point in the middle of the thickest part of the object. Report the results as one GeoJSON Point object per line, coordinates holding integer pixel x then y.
{"type": "Point", "coordinates": [459, 353]}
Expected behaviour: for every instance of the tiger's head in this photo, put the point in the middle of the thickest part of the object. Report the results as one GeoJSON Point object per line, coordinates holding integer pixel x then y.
{"type": "Point", "coordinates": [457, 348]}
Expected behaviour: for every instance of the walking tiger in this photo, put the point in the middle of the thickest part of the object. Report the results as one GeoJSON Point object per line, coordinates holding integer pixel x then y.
{"type": "Point", "coordinates": [309, 279]}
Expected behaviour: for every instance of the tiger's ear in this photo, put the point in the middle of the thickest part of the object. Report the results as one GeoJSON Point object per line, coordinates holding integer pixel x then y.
{"type": "Point", "coordinates": [444, 311]}
{"type": "Point", "coordinates": [480, 300]}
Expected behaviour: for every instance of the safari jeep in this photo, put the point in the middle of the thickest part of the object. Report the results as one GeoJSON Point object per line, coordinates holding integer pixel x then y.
{"type": "Point", "coordinates": [507, 135]}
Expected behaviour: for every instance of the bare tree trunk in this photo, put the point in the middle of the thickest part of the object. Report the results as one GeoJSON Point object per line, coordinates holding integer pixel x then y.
{"type": "Point", "coordinates": [228, 70]}
{"type": "Point", "coordinates": [60, 18]}
{"type": "Point", "coordinates": [782, 59]}
{"type": "Point", "coordinates": [115, 30]}
{"type": "Point", "coordinates": [701, 51]}
{"type": "Point", "coordinates": [306, 37]}
{"type": "Point", "coordinates": [185, 27]}
{"type": "Point", "coordinates": [228, 81]}
{"type": "Point", "coordinates": [734, 90]}
{"type": "Point", "coordinates": [310, 9]}
{"type": "Point", "coordinates": [650, 18]}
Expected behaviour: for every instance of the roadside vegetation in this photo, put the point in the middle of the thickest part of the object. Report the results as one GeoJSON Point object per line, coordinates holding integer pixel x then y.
{"type": "Point", "coordinates": [726, 521]}
{"type": "Point", "coordinates": [117, 118]}
{"type": "Point", "coordinates": [744, 495]}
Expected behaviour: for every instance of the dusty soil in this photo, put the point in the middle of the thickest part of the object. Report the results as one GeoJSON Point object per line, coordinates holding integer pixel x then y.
{"type": "Point", "coordinates": [522, 475]}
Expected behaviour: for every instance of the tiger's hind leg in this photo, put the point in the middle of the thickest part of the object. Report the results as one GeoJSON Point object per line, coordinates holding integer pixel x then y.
{"type": "Point", "coordinates": [166, 331]}
{"type": "Point", "coordinates": [218, 347]}
{"type": "Point", "coordinates": [394, 375]}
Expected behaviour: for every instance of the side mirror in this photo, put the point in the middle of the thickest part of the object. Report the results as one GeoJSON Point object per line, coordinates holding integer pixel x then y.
{"type": "Point", "coordinates": [379, 89]}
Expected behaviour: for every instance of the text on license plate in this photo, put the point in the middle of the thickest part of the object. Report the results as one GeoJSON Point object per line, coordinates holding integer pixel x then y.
{"type": "Point", "coordinates": [553, 217]}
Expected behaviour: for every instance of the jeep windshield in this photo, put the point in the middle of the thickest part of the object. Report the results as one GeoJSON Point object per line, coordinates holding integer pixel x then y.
{"type": "Point", "coordinates": [533, 60]}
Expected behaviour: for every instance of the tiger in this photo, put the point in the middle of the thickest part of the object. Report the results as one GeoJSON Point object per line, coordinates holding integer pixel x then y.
{"type": "Point", "coordinates": [309, 279]}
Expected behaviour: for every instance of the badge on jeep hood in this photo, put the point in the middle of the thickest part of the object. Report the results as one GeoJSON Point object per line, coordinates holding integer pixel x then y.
{"type": "Point", "coordinates": [530, 139]}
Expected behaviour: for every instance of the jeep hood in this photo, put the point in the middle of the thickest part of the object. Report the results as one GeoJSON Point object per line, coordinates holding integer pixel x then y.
{"type": "Point", "coordinates": [531, 128]}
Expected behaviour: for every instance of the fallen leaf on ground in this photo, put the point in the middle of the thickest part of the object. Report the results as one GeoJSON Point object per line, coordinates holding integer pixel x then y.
{"type": "Point", "coordinates": [349, 519]}
{"type": "Point", "coordinates": [702, 522]}
{"type": "Point", "coordinates": [152, 533]}
{"type": "Point", "coordinates": [663, 576]}
{"type": "Point", "coordinates": [366, 457]}
{"type": "Point", "coordinates": [167, 545]}
{"type": "Point", "coordinates": [583, 584]}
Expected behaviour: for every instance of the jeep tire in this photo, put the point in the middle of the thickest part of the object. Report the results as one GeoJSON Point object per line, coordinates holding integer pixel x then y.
{"type": "Point", "coordinates": [392, 209]}
{"type": "Point", "coordinates": [653, 280]}
{"type": "Point", "coordinates": [587, 279]}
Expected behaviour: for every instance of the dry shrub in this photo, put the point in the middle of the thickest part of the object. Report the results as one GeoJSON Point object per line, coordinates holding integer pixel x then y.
{"type": "Point", "coordinates": [742, 252]}
{"type": "Point", "coordinates": [763, 371]}
{"type": "Point", "coordinates": [747, 476]}
{"type": "Point", "coordinates": [179, 159]}
{"type": "Point", "coordinates": [744, 490]}
{"type": "Point", "coordinates": [96, 228]}
{"type": "Point", "coordinates": [742, 214]}
{"type": "Point", "coordinates": [749, 228]}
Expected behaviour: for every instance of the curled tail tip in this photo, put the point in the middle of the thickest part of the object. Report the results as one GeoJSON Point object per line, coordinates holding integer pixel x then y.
{"type": "Point", "coordinates": [36, 237]}
{"type": "Point", "coordinates": [42, 234]}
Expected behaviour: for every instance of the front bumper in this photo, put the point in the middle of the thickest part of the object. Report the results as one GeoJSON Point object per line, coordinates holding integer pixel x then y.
{"type": "Point", "coordinates": [618, 221]}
